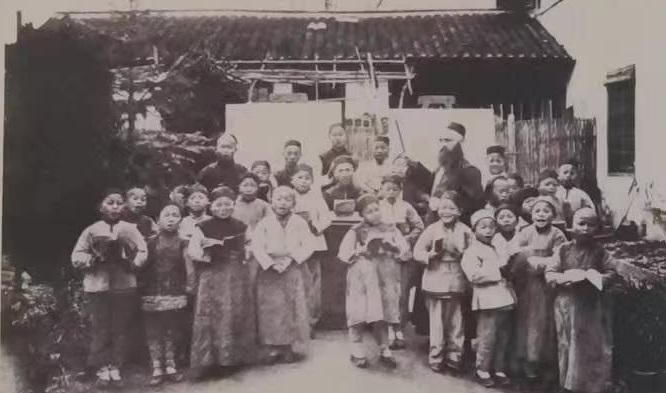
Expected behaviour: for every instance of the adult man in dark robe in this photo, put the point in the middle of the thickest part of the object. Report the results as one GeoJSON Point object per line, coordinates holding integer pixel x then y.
{"type": "Point", "coordinates": [455, 173]}
{"type": "Point", "coordinates": [292, 153]}
{"type": "Point", "coordinates": [225, 171]}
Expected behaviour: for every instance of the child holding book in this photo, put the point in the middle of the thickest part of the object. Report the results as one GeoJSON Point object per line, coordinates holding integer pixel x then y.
{"type": "Point", "coordinates": [224, 332]}
{"type": "Point", "coordinates": [532, 248]}
{"type": "Point", "coordinates": [281, 244]}
{"type": "Point", "coordinates": [440, 249]}
{"type": "Point", "coordinates": [374, 251]}
{"type": "Point", "coordinates": [492, 300]}
{"type": "Point", "coordinates": [581, 274]}
{"type": "Point", "coordinates": [134, 212]}
{"type": "Point", "coordinates": [396, 211]}
{"type": "Point", "coordinates": [108, 253]}
{"type": "Point", "coordinates": [163, 294]}
{"type": "Point", "coordinates": [196, 202]}
{"type": "Point", "coordinates": [310, 205]}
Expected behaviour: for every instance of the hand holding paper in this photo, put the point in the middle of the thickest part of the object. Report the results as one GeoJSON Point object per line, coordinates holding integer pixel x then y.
{"type": "Point", "coordinates": [595, 278]}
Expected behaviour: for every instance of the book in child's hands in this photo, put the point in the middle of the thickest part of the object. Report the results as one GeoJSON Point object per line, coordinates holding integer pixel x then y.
{"type": "Point", "coordinates": [211, 242]}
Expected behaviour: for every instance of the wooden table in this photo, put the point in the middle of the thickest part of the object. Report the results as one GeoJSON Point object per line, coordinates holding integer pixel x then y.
{"type": "Point", "coordinates": [334, 277]}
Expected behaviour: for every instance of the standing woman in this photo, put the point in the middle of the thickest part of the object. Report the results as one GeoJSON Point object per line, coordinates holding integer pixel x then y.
{"type": "Point", "coordinates": [281, 243]}
{"type": "Point", "coordinates": [224, 332]}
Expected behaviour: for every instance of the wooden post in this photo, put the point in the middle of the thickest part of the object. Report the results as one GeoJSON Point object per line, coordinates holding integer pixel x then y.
{"type": "Point", "coordinates": [19, 23]}
{"type": "Point", "coordinates": [402, 94]}
{"type": "Point", "coordinates": [511, 141]}
{"type": "Point", "coordinates": [131, 115]}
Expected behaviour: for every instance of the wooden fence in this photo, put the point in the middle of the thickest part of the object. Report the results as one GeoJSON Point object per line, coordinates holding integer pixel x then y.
{"type": "Point", "coordinates": [538, 144]}
{"type": "Point", "coordinates": [532, 145]}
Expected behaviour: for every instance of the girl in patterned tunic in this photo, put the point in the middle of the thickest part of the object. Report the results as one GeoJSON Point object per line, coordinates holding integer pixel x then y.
{"type": "Point", "coordinates": [224, 332]}
{"type": "Point", "coordinates": [374, 251]}
{"type": "Point", "coordinates": [164, 294]}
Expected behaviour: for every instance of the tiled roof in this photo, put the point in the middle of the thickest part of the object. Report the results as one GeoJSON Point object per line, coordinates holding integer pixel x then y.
{"type": "Point", "coordinates": [444, 35]}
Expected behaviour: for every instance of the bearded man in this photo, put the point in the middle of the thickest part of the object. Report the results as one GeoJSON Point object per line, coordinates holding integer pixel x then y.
{"type": "Point", "coordinates": [455, 173]}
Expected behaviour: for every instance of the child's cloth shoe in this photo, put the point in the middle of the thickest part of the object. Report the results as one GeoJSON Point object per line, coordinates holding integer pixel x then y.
{"type": "Point", "coordinates": [501, 379]}
{"type": "Point", "coordinates": [103, 378]}
{"type": "Point", "coordinates": [397, 344]}
{"type": "Point", "coordinates": [388, 361]}
{"type": "Point", "coordinates": [173, 374]}
{"type": "Point", "coordinates": [358, 362]}
{"type": "Point", "coordinates": [484, 379]}
{"type": "Point", "coordinates": [157, 377]}
{"type": "Point", "coordinates": [116, 380]}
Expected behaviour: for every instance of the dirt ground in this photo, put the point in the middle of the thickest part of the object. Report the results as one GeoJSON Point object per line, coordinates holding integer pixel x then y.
{"type": "Point", "coordinates": [325, 369]}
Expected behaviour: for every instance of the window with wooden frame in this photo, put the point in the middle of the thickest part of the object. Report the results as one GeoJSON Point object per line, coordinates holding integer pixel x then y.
{"type": "Point", "coordinates": [620, 85]}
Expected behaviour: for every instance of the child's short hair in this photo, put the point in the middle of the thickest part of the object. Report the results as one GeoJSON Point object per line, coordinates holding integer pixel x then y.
{"type": "Point", "coordinates": [394, 179]}
{"type": "Point", "coordinates": [480, 215]}
{"type": "Point", "coordinates": [364, 201]}
{"type": "Point", "coordinates": [491, 182]}
{"type": "Point", "coordinates": [334, 126]}
{"type": "Point", "coordinates": [496, 149]}
{"type": "Point", "coordinates": [571, 161]}
{"type": "Point", "coordinates": [223, 191]}
{"type": "Point", "coordinates": [195, 188]}
{"type": "Point", "coordinates": [226, 135]}
{"type": "Point", "coordinates": [249, 175]}
{"type": "Point", "coordinates": [134, 190]}
{"type": "Point", "coordinates": [261, 163]}
{"type": "Point", "coordinates": [284, 191]}
{"type": "Point", "coordinates": [171, 204]}
{"type": "Point", "coordinates": [383, 139]}
{"type": "Point", "coordinates": [542, 199]}
{"type": "Point", "coordinates": [519, 179]}
{"type": "Point", "coordinates": [547, 174]}
{"type": "Point", "coordinates": [293, 142]}
{"type": "Point", "coordinates": [304, 168]}
{"type": "Point", "coordinates": [506, 206]}
{"type": "Point", "coordinates": [451, 196]}
{"type": "Point", "coordinates": [111, 191]}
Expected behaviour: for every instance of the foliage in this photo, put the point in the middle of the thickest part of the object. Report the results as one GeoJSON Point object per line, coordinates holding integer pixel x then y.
{"type": "Point", "coordinates": [173, 158]}
{"type": "Point", "coordinates": [45, 330]}
{"type": "Point", "coordinates": [61, 148]}
{"type": "Point", "coordinates": [640, 330]}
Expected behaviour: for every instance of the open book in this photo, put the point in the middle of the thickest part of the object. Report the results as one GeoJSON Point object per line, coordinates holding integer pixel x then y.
{"type": "Point", "coordinates": [221, 242]}
{"type": "Point", "coordinates": [590, 275]}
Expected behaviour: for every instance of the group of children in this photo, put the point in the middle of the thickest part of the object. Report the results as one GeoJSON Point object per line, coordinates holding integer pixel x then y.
{"type": "Point", "coordinates": [248, 256]}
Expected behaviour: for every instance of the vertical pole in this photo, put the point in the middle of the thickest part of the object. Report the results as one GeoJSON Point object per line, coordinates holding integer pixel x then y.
{"type": "Point", "coordinates": [130, 104]}
{"type": "Point", "coordinates": [511, 141]}
{"type": "Point", "coordinates": [19, 23]}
